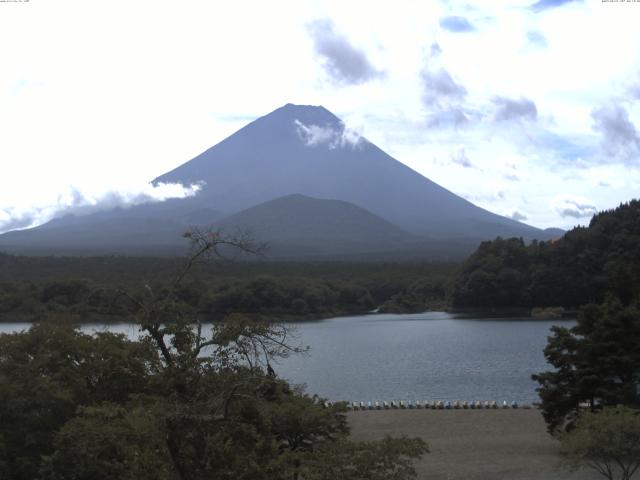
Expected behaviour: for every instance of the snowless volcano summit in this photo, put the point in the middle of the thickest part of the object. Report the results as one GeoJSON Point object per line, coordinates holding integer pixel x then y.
{"type": "Point", "coordinates": [303, 157]}
{"type": "Point", "coordinates": [307, 150]}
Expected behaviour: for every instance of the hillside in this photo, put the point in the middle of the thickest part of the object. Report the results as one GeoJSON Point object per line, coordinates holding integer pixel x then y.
{"type": "Point", "coordinates": [582, 267]}
{"type": "Point", "coordinates": [297, 225]}
{"type": "Point", "coordinates": [148, 229]}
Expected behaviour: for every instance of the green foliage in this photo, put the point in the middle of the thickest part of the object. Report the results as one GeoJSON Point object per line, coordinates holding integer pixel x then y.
{"type": "Point", "coordinates": [65, 292]}
{"type": "Point", "coordinates": [51, 370]}
{"type": "Point", "coordinates": [109, 442]}
{"type": "Point", "coordinates": [597, 361]}
{"type": "Point", "coordinates": [33, 288]}
{"type": "Point", "coordinates": [580, 268]}
{"type": "Point", "coordinates": [279, 297]}
{"type": "Point", "coordinates": [388, 459]}
{"type": "Point", "coordinates": [607, 442]}
{"type": "Point", "coordinates": [424, 294]}
{"type": "Point", "coordinates": [209, 417]}
{"type": "Point", "coordinates": [181, 403]}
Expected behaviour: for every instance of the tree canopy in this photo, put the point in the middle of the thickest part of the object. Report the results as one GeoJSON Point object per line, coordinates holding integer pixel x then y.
{"type": "Point", "coordinates": [607, 442]}
{"type": "Point", "coordinates": [32, 288]}
{"type": "Point", "coordinates": [579, 268]}
{"type": "Point", "coordinates": [597, 362]}
{"type": "Point", "coordinates": [179, 403]}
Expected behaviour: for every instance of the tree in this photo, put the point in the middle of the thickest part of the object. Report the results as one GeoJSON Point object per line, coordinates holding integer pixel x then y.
{"type": "Point", "coordinates": [607, 442]}
{"type": "Point", "coordinates": [181, 403]}
{"type": "Point", "coordinates": [108, 441]}
{"type": "Point", "coordinates": [50, 371]}
{"type": "Point", "coordinates": [597, 362]}
{"type": "Point", "coordinates": [388, 459]}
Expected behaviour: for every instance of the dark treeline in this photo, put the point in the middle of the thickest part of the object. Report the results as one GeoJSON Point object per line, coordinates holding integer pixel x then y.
{"type": "Point", "coordinates": [580, 268]}
{"type": "Point", "coordinates": [89, 288]}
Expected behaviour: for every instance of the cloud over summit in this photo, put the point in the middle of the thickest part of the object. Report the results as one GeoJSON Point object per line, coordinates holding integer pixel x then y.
{"type": "Point", "coordinates": [316, 135]}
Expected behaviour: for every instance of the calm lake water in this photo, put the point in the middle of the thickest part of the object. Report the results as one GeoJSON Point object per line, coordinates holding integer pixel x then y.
{"type": "Point", "coordinates": [434, 355]}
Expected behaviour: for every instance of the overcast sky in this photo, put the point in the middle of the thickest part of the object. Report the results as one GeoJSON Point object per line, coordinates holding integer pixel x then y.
{"type": "Point", "coordinates": [529, 109]}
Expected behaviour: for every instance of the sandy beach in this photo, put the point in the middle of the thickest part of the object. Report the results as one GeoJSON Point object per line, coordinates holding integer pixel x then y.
{"type": "Point", "coordinates": [472, 444]}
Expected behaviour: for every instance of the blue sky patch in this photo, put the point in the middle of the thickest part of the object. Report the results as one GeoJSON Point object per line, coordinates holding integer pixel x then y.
{"type": "Point", "coordinates": [456, 24]}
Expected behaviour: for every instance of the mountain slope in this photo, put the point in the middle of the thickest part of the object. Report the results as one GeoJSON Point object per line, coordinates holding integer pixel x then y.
{"type": "Point", "coordinates": [297, 225]}
{"type": "Point", "coordinates": [305, 149]}
{"type": "Point", "coordinates": [149, 229]}
{"type": "Point", "coordinates": [297, 154]}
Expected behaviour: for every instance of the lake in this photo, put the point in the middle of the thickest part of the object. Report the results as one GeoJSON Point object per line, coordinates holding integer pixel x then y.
{"type": "Point", "coordinates": [433, 355]}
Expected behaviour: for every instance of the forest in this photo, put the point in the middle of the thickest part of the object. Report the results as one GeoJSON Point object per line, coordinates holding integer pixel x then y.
{"type": "Point", "coordinates": [582, 267]}
{"type": "Point", "coordinates": [180, 404]}
{"type": "Point", "coordinates": [87, 289]}
{"type": "Point", "coordinates": [176, 404]}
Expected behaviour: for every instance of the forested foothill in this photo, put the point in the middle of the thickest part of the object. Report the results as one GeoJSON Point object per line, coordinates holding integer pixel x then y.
{"type": "Point", "coordinates": [582, 267]}
{"type": "Point", "coordinates": [87, 288]}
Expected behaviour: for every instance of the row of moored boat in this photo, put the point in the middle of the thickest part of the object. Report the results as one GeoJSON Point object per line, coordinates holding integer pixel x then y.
{"type": "Point", "coordinates": [432, 404]}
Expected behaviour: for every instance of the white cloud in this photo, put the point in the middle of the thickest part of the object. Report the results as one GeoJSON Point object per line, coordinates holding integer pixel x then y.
{"type": "Point", "coordinates": [316, 135]}
{"type": "Point", "coordinates": [344, 63]}
{"type": "Point", "coordinates": [516, 215]}
{"type": "Point", "coordinates": [515, 109]}
{"type": "Point", "coordinates": [459, 157]}
{"type": "Point", "coordinates": [72, 200]}
{"type": "Point", "coordinates": [620, 139]}
{"type": "Point", "coordinates": [575, 207]}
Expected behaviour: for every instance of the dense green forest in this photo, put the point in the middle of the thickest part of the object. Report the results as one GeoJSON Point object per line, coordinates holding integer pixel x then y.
{"type": "Point", "coordinates": [580, 268]}
{"type": "Point", "coordinates": [176, 404]}
{"type": "Point", "coordinates": [89, 288]}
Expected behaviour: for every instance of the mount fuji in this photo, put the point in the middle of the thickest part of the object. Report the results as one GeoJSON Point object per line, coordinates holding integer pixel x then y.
{"type": "Point", "coordinates": [300, 180]}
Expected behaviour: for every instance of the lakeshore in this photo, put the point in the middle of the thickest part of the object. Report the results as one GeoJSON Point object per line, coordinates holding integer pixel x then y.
{"type": "Point", "coordinates": [472, 444]}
